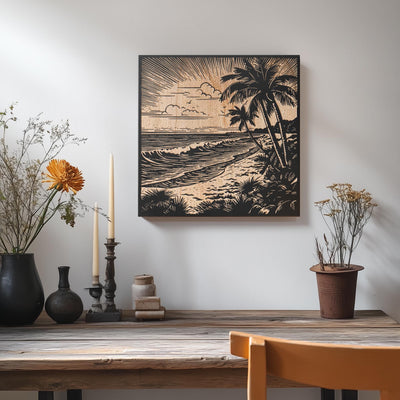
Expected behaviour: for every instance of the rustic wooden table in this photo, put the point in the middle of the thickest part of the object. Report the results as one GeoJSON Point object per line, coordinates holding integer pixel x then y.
{"type": "Point", "coordinates": [190, 349]}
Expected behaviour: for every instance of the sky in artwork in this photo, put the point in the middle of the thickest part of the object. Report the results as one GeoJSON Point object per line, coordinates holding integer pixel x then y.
{"type": "Point", "coordinates": [182, 95]}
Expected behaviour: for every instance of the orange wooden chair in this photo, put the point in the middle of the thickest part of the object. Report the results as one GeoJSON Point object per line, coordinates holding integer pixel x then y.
{"type": "Point", "coordinates": [318, 365]}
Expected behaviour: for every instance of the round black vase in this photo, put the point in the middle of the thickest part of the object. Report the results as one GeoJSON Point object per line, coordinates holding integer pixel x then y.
{"type": "Point", "coordinates": [21, 291]}
{"type": "Point", "coordinates": [64, 305]}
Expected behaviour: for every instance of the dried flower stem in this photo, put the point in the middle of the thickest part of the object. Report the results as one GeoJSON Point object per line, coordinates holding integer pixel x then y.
{"type": "Point", "coordinates": [345, 214]}
{"type": "Point", "coordinates": [25, 205]}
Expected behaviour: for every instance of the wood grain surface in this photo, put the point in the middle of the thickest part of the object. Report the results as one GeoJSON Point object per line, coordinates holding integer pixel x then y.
{"type": "Point", "coordinates": [188, 349]}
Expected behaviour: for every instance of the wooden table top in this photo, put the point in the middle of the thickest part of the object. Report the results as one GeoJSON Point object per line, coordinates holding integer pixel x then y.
{"type": "Point", "coordinates": [188, 349]}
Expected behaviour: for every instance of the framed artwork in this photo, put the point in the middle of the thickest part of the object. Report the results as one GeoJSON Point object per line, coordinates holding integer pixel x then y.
{"type": "Point", "coordinates": [219, 136]}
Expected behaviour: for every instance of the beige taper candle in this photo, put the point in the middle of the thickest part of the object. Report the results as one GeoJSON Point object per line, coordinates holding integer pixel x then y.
{"type": "Point", "coordinates": [111, 227]}
{"type": "Point", "coordinates": [95, 259]}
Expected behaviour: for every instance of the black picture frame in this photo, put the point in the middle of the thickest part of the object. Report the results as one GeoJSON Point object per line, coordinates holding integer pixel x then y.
{"type": "Point", "coordinates": [219, 136]}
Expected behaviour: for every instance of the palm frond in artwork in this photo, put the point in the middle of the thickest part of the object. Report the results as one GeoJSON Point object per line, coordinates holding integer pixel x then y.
{"type": "Point", "coordinates": [249, 186]}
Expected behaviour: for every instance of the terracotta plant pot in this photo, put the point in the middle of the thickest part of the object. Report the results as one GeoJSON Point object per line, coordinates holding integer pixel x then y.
{"type": "Point", "coordinates": [337, 290]}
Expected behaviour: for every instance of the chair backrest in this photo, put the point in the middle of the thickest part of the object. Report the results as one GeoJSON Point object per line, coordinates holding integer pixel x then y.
{"type": "Point", "coordinates": [329, 366]}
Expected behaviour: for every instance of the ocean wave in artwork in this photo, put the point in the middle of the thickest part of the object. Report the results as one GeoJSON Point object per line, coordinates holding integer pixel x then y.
{"type": "Point", "coordinates": [197, 162]}
{"type": "Point", "coordinates": [186, 151]}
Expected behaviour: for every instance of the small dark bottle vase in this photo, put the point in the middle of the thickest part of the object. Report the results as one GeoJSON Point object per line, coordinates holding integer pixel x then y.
{"type": "Point", "coordinates": [64, 306]}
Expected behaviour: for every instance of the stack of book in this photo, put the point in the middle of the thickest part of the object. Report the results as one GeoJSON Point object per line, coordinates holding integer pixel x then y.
{"type": "Point", "coordinates": [149, 307]}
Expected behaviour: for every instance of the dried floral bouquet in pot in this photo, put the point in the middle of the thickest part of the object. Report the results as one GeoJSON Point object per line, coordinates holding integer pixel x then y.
{"type": "Point", "coordinates": [34, 186]}
{"type": "Point", "coordinates": [346, 213]}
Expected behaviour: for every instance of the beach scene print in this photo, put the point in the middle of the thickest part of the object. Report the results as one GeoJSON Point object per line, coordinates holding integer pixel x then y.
{"type": "Point", "coordinates": [219, 136]}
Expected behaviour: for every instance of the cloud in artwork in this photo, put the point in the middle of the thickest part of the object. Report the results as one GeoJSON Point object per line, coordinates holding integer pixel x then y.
{"type": "Point", "coordinates": [188, 106]}
{"type": "Point", "coordinates": [208, 90]}
{"type": "Point", "coordinates": [172, 109]}
{"type": "Point", "coordinates": [178, 111]}
{"type": "Point", "coordinates": [189, 101]}
{"type": "Point", "coordinates": [193, 112]}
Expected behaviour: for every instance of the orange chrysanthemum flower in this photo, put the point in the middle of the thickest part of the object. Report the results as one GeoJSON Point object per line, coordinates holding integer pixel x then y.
{"type": "Point", "coordinates": [63, 176]}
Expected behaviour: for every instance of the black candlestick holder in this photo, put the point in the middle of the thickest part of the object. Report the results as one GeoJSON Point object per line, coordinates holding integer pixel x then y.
{"type": "Point", "coordinates": [95, 291]}
{"type": "Point", "coordinates": [108, 312]}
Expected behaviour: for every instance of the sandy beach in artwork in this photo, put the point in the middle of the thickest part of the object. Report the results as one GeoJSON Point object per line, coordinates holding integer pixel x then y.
{"type": "Point", "coordinates": [223, 186]}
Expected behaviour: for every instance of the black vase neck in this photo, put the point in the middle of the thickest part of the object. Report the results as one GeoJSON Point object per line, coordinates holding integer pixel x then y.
{"type": "Point", "coordinates": [63, 282]}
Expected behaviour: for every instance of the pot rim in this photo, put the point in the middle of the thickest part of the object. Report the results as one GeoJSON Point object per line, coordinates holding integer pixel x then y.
{"type": "Point", "coordinates": [353, 268]}
{"type": "Point", "coordinates": [15, 254]}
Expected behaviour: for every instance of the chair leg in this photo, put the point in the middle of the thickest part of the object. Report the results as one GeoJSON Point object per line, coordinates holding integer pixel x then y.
{"type": "Point", "coordinates": [327, 394]}
{"type": "Point", "coordinates": [74, 394]}
{"type": "Point", "coordinates": [45, 395]}
{"type": "Point", "coordinates": [385, 395]}
{"type": "Point", "coordinates": [349, 395]}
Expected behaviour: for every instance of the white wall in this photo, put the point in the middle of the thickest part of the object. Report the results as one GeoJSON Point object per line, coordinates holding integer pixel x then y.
{"type": "Point", "coordinates": [78, 60]}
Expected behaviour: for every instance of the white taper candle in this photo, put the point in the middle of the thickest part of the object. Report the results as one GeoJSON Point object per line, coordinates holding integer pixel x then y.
{"type": "Point", "coordinates": [95, 258]}
{"type": "Point", "coordinates": [111, 227]}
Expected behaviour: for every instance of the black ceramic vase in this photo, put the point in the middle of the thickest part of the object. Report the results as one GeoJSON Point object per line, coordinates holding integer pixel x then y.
{"type": "Point", "coordinates": [21, 291]}
{"type": "Point", "coordinates": [64, 305]}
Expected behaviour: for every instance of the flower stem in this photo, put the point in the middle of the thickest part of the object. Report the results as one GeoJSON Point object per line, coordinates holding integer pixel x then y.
{"type": "Point", "coordinates": [42, 220]}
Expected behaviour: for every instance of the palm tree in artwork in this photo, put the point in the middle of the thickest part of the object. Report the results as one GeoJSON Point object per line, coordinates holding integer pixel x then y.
{"type": "Point", "coordinates": [245, 117]}
{"type": "Point", "coordinates": [282, 90]}
{"type": "Point", "coordinates": [266, 86]}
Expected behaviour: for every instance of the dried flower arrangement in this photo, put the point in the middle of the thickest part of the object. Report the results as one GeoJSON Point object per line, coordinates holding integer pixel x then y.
{"type": "Point", "coordinates": [25, 205]}
{"type": "Point", "coordinates": [345, 214]}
